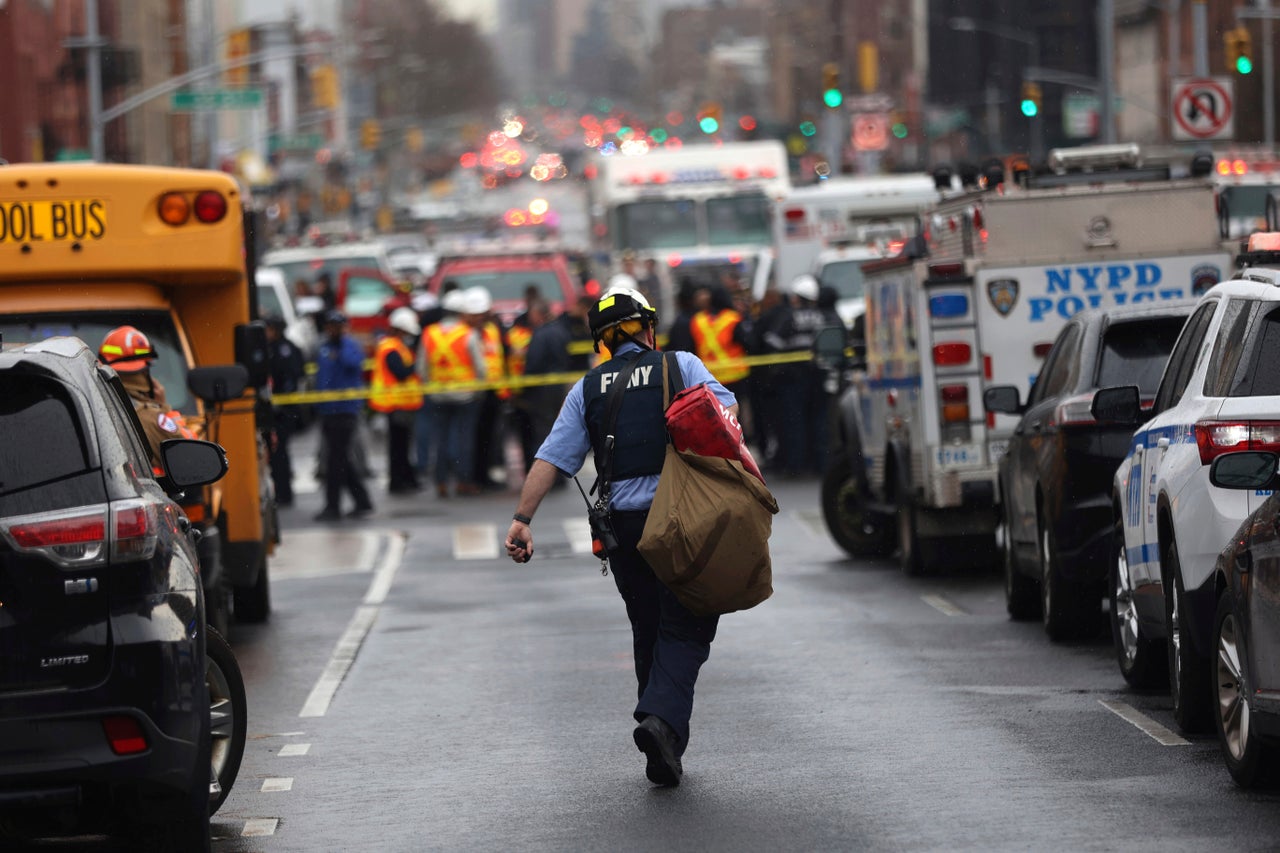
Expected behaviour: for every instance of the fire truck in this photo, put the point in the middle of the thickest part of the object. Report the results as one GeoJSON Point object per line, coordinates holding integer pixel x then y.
{"type": "Point", "coordinates": [700, 211]}
{"type": "Point", "coordinates": [976, 300]}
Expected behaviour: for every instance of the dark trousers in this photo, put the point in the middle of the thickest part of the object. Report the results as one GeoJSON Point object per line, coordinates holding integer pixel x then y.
{"type": "Point", "coordinates": [670, 643]}
{"type": "Point", "coordinates": [339, 430]}
{"type": "Point", "coordinates": [281, 464]}
{"type": "Point", "coordinates": [400, 474]}
{"type": "Point", "coordinates": [488, 438]}
{"type": "Point", "coordinates": [522, 426]}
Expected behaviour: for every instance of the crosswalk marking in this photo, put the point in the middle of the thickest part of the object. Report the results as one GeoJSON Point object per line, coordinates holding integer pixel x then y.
{"type": "Point", "coordinates": [475, 542]}
{"type": "Point", "coordinates": [284, 783]}
{"type": "Point", "coordinates": [943, 606]}
{"type": "Point", "coordinates": [291, 749]}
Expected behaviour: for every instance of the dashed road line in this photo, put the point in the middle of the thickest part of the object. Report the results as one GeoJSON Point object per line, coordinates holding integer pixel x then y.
{"type": "Point", "coordinates": [475, 542]}
{"type": "Point", "coordinates": [1144, 724]}
{"type": "Point", "coordinates": [274, 785]}
{"type": "Point", "coordinates": [811, 520]}
{"type": "Point", "coordinates": [292, 749]}
{"type": "Point", "coordinates": [578, 532]}
{"type": "Point", "coordinates": [344, 653]}
{"type": "Point", "coordinates": [259, 827]}
{"type": "Point", "coordinates": [943, 606]}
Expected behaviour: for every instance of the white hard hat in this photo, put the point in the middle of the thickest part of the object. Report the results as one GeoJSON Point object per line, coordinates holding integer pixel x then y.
{"type": "Point", "coordinates": [806, 287]}
{"type": "Point", "coordinates": [423, 300]}
{"type": "Point", "coordinates": [477, 300]}
{"type": "Point", "coordinates": [405, 319]}
{"type": "Point", "coordinates": [455, 301]}
{"type": "Point", "coordinates": [622, 281]}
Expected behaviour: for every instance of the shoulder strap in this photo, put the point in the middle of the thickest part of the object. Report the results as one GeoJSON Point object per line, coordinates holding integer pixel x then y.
{"type": "Point", "coordinates": [612, 405]}
{"type": "Point", "coordinates": [672, 378]}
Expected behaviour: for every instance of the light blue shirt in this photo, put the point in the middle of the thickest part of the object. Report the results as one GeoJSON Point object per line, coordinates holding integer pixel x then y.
{"type": "Point", "coordinates": [569, 442]}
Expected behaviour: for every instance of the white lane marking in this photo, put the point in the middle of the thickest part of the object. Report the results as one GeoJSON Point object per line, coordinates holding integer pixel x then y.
{"type": "Point", "coordinates": [386, 571]}
{"type": "Point", "coordinates": [811, 520]}
{"type": "Point", "coordinates": [1144, 724]}
{"type": "Point", "coordinates": [259, 827]}
{"type": "Point", "coordinates": [344, 653]}
{"type": "Point", "coordinates": [475, 542]}
{"type": "Point", "coordinates": [282, 783]}
{"type": "Point", "coordinates": [291, 749]}
{"type": "Point", "coordinates": [578, 532]}
{"type": "Point", "coordinates": [943, 606]}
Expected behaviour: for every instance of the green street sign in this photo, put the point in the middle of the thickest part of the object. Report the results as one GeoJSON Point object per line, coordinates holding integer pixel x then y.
{"type": "Point", "coordinates": [72, 155]}
{"type": "Point", "coordinates": [217, 99]}
{"type": "Point", "coordinates": [296, 141]}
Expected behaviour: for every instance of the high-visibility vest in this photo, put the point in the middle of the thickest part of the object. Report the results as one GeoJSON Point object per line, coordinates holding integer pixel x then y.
{"type": "Point", "coordinates": [491, 337]}
{"type": "Point", "coordinates": [448, 355]}
{"type": "Point", "coordinates": [387, 393]}
{"type": "Point", "coordinates": [714, 344]}
{"type": "Point", "coordinates": [518, 338]}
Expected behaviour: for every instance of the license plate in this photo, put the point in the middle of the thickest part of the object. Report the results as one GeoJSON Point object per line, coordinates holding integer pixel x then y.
{"type": "Point", "coordinates": [52, 221]}
{"type": "Point", "coordinates": [959, 456]}
{"type": "Point", "coordinates": [996, 449]}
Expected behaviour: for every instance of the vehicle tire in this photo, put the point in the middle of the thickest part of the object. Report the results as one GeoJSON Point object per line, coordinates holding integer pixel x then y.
{"type": "Point", "coordinates": [1142, 659]}
{"type": "Point", "coordinates": [1021, 597]}
{"type": "Point", "coordinates": [217, 605]}
{"type": "Point", "coordinates": [1061, 601]}
{"type": "Point", "coordinates": [1189, 677]}
{"type": "Point", "coordinates": [910, 552]}
{"type": "Point", "coordinates": [1248, 759]}
{"type": "Point", "coordinates": [253, 603]}
{"type": "Point", "coordinates": [228, 715]}
{"type": "Point", "coordinates": [859, 531]}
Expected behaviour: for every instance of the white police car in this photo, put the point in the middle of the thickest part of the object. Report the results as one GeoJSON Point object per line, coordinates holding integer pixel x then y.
{"type": "Point", "coordinates": [1220, 392]}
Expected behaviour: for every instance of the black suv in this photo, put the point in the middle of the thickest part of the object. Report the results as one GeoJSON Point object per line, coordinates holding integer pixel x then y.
{"type": "Point", "coordinates": [105, 719]}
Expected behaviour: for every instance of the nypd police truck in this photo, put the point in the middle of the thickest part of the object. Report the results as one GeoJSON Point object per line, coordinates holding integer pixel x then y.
{"type": "Point", "coordinates": [976, 300]}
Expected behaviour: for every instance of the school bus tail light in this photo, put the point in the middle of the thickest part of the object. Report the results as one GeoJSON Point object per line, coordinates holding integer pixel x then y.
{"type": "Point", "coordinates": [174, 209]}
{"type": "Point", "coordinates": [210, 207]}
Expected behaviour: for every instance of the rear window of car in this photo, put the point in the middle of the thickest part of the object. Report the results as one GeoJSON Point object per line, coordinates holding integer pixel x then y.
{"type": "Point", "coordinates": [1135, 353]}
{"type": "Point", "coordinates": [1261, 378]}
{"type": "Point", "coordinates": [45, 440]}
{"type": "Point", "coordinates": [511, 284]}
{"type": "Point", "coordinates": [309, 270]}
{"type": "Point", "coordinates": [269, 302]}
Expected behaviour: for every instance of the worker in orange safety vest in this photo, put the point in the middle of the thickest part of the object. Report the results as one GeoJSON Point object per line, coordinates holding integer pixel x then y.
{"type": "Point", "coordinates": [453, 354]}
{"type": "Point", "coordinates": [720, 339]}
{"type": "Point", "coordinates": [396, 392]}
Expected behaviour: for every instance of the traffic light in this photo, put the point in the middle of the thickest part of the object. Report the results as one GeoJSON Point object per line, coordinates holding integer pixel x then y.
{"type": "Point", "coordinates": [1239, 50]}
{"type": "Point", "coordinates": [1031, 99]}
{"type": "Point", "coordinates": [324, 87]}
{"type": "Point", "coordinates": [831, 94]}
{"type": "Point", "coordinates": [370, 134]}
{"type": "Point", "coordinates": [709, 117]}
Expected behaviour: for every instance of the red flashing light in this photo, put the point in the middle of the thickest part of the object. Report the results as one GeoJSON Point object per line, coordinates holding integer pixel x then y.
{"type": "Point", "coordinates": [768, 173]}
{"type": "Point", "coordinates": [742, 173]}
{"type": "Point", "coordinates": [1224, 167]}
{"type": "Point", "coordinates": [660, 177]}
{"type": "Point", "coordinates": [210, 207]}
{"type": "Point", "coordinates": [468, 160]}
{"type": "Point", "coordinates": [735, 258]}
{"type": "Point", "coordinates": [747, 123]}
{"type": "Point", "coordinates": [592, 287]}
{"type": "Point", "coordinates": [674, 260]}
{"type": "Point", "coordinates": [1239, 167]}
{"type": "Point", "coordinates": [952, 354]}
{"type": "Point", "coordinates": [1264, 241]}
{"type": "Point", "coordinates": [124, 734]}
{"type": "Point", "coordinates": [590, 171]}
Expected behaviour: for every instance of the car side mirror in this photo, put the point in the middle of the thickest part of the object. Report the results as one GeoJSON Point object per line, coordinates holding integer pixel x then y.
{"type": "Point", "coordinates": [192, 462]}
{"type": "Point", "coordinates": [253, 352]}
{"type": "Point", "coordinates": [1003, 399]}
{"type": "Point", "coordinates": [218, 384]}
{"type": "Point", "coordinates": [1245, 469]}
{"type": "Point", "coordinates": [1117, 405]}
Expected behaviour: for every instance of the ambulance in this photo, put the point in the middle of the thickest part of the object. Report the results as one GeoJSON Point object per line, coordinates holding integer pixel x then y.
{"type": "Point", "coordinates": [701, 211]}
{"type": "Point", "coordinates": [977, 300]}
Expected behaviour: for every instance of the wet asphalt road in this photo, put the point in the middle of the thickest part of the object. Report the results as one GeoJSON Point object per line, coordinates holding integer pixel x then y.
{"type": "Point", "coordinates": [488, 707]}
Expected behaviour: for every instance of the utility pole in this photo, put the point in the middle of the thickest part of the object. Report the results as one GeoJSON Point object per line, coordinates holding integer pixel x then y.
{"type": "Point", "coordinates": [93, 43]}
{"type": "Point", "coordinates": [1200, 37]}
{"type": "Point", "coordinates": [1106, 68]}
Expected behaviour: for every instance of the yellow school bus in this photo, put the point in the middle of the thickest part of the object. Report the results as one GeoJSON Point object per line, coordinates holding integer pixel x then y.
{"type": "Point", "coordinates": [85, 248]}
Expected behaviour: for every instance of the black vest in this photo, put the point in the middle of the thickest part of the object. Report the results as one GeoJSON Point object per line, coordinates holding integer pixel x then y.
{"type": "Point", "coordinates": [640, 434]}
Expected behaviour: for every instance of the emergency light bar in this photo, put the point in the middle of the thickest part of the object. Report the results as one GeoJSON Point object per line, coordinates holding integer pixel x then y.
{"type": "Point", "coordinates": [1095, 158]}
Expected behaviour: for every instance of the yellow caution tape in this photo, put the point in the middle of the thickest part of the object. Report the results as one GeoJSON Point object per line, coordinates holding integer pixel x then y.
{"type": "Point", "coordinates": [516, 382]}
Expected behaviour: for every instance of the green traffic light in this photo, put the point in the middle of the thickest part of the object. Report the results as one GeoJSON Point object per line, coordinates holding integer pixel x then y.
{"type": "Point", "coordinates": [900, 130]}
{"type": "Point", "coordinates": [1244, 65]}
{"type": "Point", "coordinates": [708, 124]}
{"type": "Point", "coordinates": [833, 98]}
{"type": "Point", "coordinates": [1029, 108]}
{"type": "Point", "coordinates": [808, 128]}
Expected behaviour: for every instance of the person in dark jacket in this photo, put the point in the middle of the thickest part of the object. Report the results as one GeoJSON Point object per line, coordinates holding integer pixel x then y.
{"type": "Point", "coordinates": [680, 335]}
{"type": "Point", "coordinates": [287, 372]}
{"type": "Point", "coordinates": [340, 367]}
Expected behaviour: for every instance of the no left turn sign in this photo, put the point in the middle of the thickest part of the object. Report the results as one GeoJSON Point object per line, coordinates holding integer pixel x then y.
{"type": "Point", "coordinates": [1203, 108]}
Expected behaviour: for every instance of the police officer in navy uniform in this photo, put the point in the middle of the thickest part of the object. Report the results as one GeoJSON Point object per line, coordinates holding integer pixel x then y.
{"type": "Point", "coordinates": [670, 643]}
